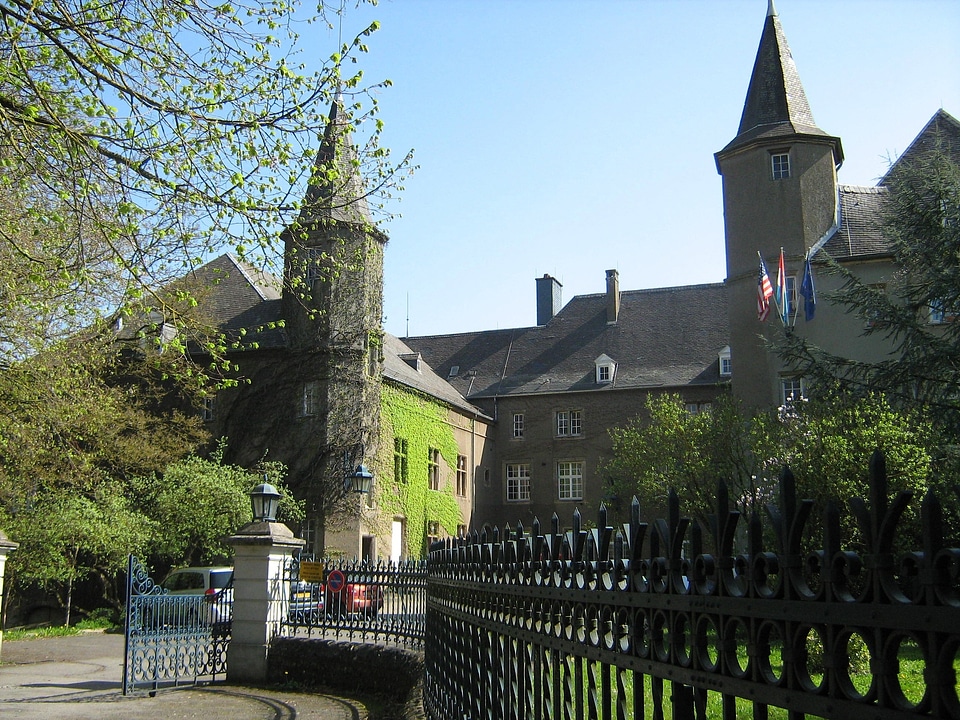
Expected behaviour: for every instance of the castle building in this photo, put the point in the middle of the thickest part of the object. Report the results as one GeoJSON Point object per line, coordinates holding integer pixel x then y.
{"type": "Point", "coordinates": [488, 428]}
{"type": "Point", "coordinates": [556, 389]}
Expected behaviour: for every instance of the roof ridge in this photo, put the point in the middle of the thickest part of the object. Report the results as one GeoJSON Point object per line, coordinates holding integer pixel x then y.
{"type": "Point", "coordinates": [864, 189]}
{"type": "Point", "coordinates": [248, 271]}
{"type": "Point", "coordinates": [939, 115]}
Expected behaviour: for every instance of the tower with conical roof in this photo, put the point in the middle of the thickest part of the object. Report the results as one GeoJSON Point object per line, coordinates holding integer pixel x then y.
{"type": "Point", "coordinates": [332, 307]}
{"type": "Point", "coordinates": [779, 191]}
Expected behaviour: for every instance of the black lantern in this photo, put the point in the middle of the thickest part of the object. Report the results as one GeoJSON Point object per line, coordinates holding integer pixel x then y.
{"type": "Point", "coordinates": [360, 481]}
{"type": "Point", "coordinates": [264, 499]}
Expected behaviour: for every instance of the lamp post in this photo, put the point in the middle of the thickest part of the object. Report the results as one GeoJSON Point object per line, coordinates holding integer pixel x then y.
{"type": "Point", "coordinates": [264, 499]}
{"type": "Point", "coordinates": [359, 481]}
{"type": "Point", "coordinates": [261, 551]}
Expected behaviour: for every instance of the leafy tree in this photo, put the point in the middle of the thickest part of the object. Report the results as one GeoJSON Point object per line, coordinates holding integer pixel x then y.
{"type": "Point", "coordinates": [198, 502]}
{"type": "Point", "coordinates": [826, 444]}
{"type": "Point", "coordinates": [66, 536]}
{"type": "Point", "coordinates": [195, 122]}
{"type": "Point", "coordinates": [64, 423]}
{"type": "Point", "coordinates": [922, 225]}
{"type": "Point", "coordinates": [687, 451]}
{"type": "Point", "coordinates": [86, 529]}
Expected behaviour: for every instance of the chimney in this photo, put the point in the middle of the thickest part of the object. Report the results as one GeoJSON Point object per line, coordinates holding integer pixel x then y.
{"type": "Point", "coordinates": [548, 298]}
{"type": "Point", "coordinates": [613, 296]}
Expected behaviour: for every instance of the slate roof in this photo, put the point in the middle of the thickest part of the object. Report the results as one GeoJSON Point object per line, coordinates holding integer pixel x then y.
{"type": "Point", "coordinates": [235, 295]}
{"type": "Point", "coordinates": [424, 379]}
{"type": "Point", "coordinates": [666, 337]}
{"type": "Point", "coordinates": [861, 208]}
{"type": "Point", "coordinates": [861, 224]}
{"type": "Point", "coordinates": [342, 197]}
{"type": "Point", "coordinates": [942, 131]}
{"type": "Point", "coordinates": [776, 104]}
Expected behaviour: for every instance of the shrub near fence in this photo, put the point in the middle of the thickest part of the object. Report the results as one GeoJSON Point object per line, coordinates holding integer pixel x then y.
{"type": "Point", "coordinates": [599, 623]}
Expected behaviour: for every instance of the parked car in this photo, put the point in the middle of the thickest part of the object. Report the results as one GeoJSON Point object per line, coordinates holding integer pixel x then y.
{"type": "Point", "coordinates": [356, 599]}
{"type": "Point", "coordinates": [215, 584]}
{"type": "Point", "coordinates": [306, 603]}
{"type": "Point", "coordinates": [311, 602]}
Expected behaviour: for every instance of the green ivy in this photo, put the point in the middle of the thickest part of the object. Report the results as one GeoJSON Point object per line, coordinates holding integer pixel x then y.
{"type": "Point", "coordinates": [423, 424]}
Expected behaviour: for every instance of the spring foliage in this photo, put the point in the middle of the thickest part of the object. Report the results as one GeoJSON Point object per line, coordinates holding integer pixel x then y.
{"type": "Point", "coordinates": [827, 445]}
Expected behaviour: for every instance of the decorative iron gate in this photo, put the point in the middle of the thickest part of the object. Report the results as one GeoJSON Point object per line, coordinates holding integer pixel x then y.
{"type": "Point", "coordinates": [172, 640]}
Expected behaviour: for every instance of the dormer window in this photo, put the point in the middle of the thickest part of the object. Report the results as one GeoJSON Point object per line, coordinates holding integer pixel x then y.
{"type": "Point", "coordinates": [412, 359]}
{"type": "Point", "coordinates": [606, 369]}
{"type": "Point", "coordinates": [726, 369]}
{"type": "Point", "coordinates": [780, 164]}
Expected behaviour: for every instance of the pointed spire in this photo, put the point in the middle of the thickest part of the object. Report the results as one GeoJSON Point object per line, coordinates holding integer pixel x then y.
{"type": "Point", "coordinates": [776, 94]}
{"type": "Point", "coordinates": [336, 189]}
{"type": "Point", "coordinates": [776, 103]}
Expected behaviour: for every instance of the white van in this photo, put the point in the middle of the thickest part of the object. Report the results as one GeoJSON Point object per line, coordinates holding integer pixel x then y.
{"type": "Point", "coordinates": [214, 583]}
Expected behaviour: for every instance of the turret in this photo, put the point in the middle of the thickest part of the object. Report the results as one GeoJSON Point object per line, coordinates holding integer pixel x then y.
{"type": "Point", "coordinates": [779, 191]}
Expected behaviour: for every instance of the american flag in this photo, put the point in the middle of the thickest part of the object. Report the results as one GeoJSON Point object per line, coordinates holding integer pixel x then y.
{"type": "Point", "coordinates": [764, 292]}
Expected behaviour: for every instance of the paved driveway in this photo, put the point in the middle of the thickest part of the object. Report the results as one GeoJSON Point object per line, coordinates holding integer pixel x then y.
{"type": "Point", "coordinates": [80, 677]}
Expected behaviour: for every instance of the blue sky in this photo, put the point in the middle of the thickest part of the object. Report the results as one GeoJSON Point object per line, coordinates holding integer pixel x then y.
{"type": "Point", "coordinates": [569, 137]}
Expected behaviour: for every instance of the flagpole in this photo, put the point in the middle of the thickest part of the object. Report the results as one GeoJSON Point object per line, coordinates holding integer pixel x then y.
{"type": "Point", "coordinates": [781, 277]}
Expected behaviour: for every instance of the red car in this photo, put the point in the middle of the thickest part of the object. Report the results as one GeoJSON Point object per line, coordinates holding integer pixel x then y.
{"type": "Point", "coordinates": [355, 599]}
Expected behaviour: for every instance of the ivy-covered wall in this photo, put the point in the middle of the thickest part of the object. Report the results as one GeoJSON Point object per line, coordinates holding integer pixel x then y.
{"type": "Point", "coordinates": [424, 424]}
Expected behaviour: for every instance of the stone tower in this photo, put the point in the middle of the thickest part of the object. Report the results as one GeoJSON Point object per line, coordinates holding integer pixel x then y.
{"type": "Point", "coordinates": [779, 190]}
{"type": "Point", "coordinates": [332, 305]}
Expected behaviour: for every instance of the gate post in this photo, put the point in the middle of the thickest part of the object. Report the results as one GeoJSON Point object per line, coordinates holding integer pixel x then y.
{"type": "Point", "coordinates": [259, 601]}
{"type": "Point", "coordinates": [7, 546]}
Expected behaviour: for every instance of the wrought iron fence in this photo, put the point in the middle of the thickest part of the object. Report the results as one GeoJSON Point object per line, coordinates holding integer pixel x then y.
{"type": "Point", "coordinates": [356, 600]}
{"type": "Point", "coordinates": [172, 639]}
{"type": "Point", "coordinates": [600, 622]}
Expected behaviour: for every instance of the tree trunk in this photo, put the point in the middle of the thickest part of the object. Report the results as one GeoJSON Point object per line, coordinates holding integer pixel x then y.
{"type": "Point", "coordinates": [69, 602]}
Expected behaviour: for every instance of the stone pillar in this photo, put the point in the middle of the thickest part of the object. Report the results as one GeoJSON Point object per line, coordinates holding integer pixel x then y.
{"type": "Point", "coordinates": [260, 599]}
{"type": "Point", "coordinates": [7, 546]}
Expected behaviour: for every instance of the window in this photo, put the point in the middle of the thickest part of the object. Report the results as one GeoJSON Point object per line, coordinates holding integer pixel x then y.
{"type": "Point", "coordinates": [400, 466]}
{"type": "Point", "coordinates": [791, 294]}
{"type": "Point", "coordinates": [780, 165]}
{"type": "Point", "coordinates": [462, 475]}
{"type": "Point", "coordinates": [374, 355]}
{"type": "Point", "coordinates": [314, 271]}
{"type": "Point", "coordinates": [941, 313]}
{"type": "Point", "coordinates": [873, 317]}
{"type": "Point", "coordinates": [791, 388]}
{"type": "Point", "coordinates": [949, 213]}
{"type": "Point", "coordinates": [694, 408]}
{"type": "Point", "coordinates": [726, 368]}
{"type": "Point", "coordinates": [518, 425]}
{"type": "Point", "coordinates": [433, 532]}
{"type": "Point", "coordinates": [310, 399]}
{"type": "Point", "coordinates": [433, 468]}
{"type": "Point", "coordinates": [606, 369]}
{"type": "Point", "coordinates": [518, 482]}
{"type": "Point", "coordinates": [308, 531]}
{"type": "Point", "coordinates": [208, 406]}
{"type": "Point", "coordinates": [570, 480]}
{"type": "Point", "coordinates": [569, 423]}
